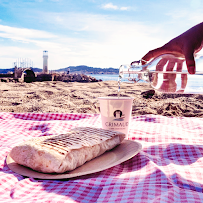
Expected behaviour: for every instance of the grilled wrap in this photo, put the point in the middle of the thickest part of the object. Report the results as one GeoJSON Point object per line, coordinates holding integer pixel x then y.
{"type": "Point", "coordinates": [65, 152]}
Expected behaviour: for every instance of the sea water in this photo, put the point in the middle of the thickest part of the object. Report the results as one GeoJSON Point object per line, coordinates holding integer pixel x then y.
{"type": "Point", "coordinates": [177, 82]}
{"type": "Point", "coordinates": [109, 77]}
{"type": "Point", "coordinates": [170, 81]}
{"type": "Point", "coordinates": [194, 82]}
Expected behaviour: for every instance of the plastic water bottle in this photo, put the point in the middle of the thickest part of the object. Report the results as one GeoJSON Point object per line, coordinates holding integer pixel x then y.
{"type": "Point", "coordinates": [166, 73]}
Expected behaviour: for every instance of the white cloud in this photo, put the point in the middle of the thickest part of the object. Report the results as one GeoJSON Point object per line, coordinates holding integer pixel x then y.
{"type": "Point", "coordinates": [110, 6]}
{"type": "Point", "coordinates": [114, 7]}
{"type": "Point", "coordinates": [23, 33]}
{"type": "Point", "coordinates": [111, 44]}
{"type": "Point", "coordinates": [124, 8]}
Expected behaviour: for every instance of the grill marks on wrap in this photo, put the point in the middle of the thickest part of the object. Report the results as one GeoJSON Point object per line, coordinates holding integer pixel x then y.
{"type": "Point", "coordinates": [75, 139]}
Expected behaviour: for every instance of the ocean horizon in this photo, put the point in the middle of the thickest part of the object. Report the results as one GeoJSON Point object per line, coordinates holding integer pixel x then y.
{"type": "Point", "coordinates": [105, 77]}
{"type": "Point", "coordinates": [109, 77]}
{"type": "Point", "coordinates": [194, 83]}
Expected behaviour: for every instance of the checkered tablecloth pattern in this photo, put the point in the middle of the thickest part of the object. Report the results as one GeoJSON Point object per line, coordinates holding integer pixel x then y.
{"type": "Point", "coordinates": [168, 169]}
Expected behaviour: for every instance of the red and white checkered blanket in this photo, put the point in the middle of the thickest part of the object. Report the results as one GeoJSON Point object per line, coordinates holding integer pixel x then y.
{"type": "Point", "coordinates": [168, 169]}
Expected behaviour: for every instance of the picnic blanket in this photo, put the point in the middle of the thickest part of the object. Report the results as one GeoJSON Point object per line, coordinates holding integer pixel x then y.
{"type": "Point", "coordinates": [169, 168]}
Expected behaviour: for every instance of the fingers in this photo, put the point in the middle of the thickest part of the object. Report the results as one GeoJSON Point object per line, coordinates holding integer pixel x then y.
{"type": "Point", "coordinates": [170, 66]}
{"type": "Point", "coordinates": [179, 66]}
{"type": "Point", "coordinates": [160, 65]}
{"type": "Point", "coordinates": [153, 54]}
{"type": "Point", "coordinates": [183, 76]}
{"type": "Point", "coordinates": [183, 81]}
{"type": "Point", "coordinates": [190, 61]}
{"type": "Point", "coordinates": [189, 56]}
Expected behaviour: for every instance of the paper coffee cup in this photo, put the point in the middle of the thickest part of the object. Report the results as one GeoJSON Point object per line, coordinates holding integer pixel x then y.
{"type": "Point", "coordinates": [116, 113]}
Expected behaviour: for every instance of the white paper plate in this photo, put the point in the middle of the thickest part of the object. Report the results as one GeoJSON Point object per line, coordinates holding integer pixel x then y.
{"type": "Point", "coordinates": [126, 150]}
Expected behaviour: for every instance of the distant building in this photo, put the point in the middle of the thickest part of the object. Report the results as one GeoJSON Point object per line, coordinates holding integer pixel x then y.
{"type": "Point", "coordinates": [45, 62]}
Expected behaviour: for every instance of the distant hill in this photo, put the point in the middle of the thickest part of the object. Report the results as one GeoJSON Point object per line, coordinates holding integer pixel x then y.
{"type": "Point", "coordinates": [75, 69]}
{"type": "Point", "coordinates": [89, 70]}
{"type": "Point", "coordinates": [12, 70]}
{"type": "Point", "coordinates": [37, 69]}
{"type": "Point", "coordinates": [6, 70]}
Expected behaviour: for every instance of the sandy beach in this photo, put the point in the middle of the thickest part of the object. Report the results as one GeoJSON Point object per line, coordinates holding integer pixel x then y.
{"type": "Point", "coordinates": [75, 97]}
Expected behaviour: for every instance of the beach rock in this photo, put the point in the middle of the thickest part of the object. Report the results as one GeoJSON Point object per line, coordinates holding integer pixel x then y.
{"type": "Point", "coordinates": [44, 77]}
{"type": "Point", "coordinates": [29, 76]}
{"type": "Point", "coordinates": [74, 78]}
{"type": "Point", "coordinates": [78, 78]}
{"type": "Point", "coordinates": [4, 79]}
{"type": "Point", "coordinates": [148, 94]}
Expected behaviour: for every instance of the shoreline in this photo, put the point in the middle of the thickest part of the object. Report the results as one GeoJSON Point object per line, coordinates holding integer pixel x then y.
{"type": "Point", "coordinates": [75, 97]}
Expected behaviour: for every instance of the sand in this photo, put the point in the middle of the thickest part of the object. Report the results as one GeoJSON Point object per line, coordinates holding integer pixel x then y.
{"type": "Point", "coordinates": [75, 97]}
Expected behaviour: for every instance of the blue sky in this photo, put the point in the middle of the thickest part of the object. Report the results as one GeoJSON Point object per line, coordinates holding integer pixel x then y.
{"type": "Point", "coordinates": [90, 32]}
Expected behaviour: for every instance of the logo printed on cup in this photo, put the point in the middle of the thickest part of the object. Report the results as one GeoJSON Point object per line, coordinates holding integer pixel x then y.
{"type": "Point", "coordinates": [111, 124]}
{"type": "Point", "coordinates": [116, 113]}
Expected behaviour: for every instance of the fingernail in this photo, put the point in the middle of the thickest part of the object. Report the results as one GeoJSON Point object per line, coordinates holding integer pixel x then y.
{"type": "Point", "coordinates": [191, 70]}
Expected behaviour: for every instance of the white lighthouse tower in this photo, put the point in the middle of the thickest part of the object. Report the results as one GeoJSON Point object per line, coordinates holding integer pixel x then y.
{"type": "Point", "coordinates": [45, 62]}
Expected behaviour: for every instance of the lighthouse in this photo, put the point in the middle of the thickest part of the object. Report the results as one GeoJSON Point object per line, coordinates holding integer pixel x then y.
{"type": "Point", "coordinates": [45, 62]}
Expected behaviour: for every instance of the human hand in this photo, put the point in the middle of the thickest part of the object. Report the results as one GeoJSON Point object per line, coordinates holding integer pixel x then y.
{"type": "Point", "coordinates": [185, 45]}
